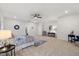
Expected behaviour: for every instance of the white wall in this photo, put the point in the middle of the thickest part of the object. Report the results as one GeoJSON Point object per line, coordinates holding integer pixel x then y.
{"type": "Point", "coordinates": [34, 29]}
{"type": "Point", "coordinates": [9, 24]}
{"type": "Point", "coordinates": [64, 26]}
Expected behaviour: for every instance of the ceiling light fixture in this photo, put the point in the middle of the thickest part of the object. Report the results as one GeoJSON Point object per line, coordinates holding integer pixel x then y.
{"type": "Point", "coordinates": [66, 11]}
{"type": "Point", "coordinates": [37, 15]}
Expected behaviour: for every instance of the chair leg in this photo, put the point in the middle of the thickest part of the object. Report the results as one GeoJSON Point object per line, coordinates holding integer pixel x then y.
{"type": "Point", "coordinates": [74, 42]}
{"type": "Point", "coordinates": [68, 39]}
{"type": "Point", "coordinates": [71, 40]}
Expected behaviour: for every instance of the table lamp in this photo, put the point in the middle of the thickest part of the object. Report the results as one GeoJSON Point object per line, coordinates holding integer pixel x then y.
{"type": "Point", "coordinates": [5, 35]}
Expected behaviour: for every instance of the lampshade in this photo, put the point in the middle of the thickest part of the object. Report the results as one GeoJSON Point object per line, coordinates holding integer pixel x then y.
{"type": "Point", "coordinates": [5, 34]}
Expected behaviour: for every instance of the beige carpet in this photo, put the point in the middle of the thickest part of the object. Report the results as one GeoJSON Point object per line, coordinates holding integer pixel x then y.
{"type": "Point", "coordinates": [53, 47]}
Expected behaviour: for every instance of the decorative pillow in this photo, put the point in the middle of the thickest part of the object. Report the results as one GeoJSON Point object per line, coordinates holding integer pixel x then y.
{"type": "Point", "coordinates": [19, 40]}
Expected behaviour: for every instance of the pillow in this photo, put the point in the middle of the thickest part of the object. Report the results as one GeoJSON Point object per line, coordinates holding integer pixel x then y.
{"type": "Point", "coordinates": [19, 40]}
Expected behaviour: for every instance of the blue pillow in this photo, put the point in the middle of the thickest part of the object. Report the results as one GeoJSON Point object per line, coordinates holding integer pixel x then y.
{"type": "Point", "coordinates": [20, 40]}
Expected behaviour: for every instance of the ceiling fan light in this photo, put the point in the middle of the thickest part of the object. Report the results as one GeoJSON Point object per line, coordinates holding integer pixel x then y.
{"type": "Point", "coordinates": [66, 11]}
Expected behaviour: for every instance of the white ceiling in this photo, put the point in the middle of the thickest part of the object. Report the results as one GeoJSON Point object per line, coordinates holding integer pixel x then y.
{"type": "Point", "coordinates": [23, 11]}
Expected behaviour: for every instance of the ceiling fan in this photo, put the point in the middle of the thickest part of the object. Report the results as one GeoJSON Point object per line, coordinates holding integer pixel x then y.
{"type": "Point", "coordinates": [37, 15]}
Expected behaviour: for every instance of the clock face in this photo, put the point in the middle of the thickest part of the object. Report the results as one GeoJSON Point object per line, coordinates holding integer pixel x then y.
{"type": "Point", "coordinates": [16, 27]}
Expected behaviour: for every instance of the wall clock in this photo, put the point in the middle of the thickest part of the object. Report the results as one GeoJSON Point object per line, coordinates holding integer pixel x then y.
{"type": "Point", "coordinates": [16, 27]}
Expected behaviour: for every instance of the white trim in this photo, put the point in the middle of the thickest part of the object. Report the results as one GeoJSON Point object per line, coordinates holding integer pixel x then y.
{"type": "Point", "coordinates": [2, 24]}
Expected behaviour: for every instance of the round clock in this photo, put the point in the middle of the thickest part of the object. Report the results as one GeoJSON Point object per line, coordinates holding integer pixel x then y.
{"type": "Point", "coordinates": [16, 27]}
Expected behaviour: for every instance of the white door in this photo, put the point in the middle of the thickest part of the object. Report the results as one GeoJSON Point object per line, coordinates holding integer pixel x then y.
{"type": "Point", "coordinates": [34, 29]}
{"type": "Point", "coordinates": [31, 30]}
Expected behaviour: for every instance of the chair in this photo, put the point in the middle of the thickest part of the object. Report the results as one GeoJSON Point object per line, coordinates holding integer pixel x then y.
{"type": "Point", "coordinates": [71, 37]}
{"type": "Point", "coordinates": [76, 39]}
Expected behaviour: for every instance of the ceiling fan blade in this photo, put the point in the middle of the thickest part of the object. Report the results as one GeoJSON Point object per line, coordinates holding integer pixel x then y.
{"type": "Point", "coordinates": [39, 17]}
